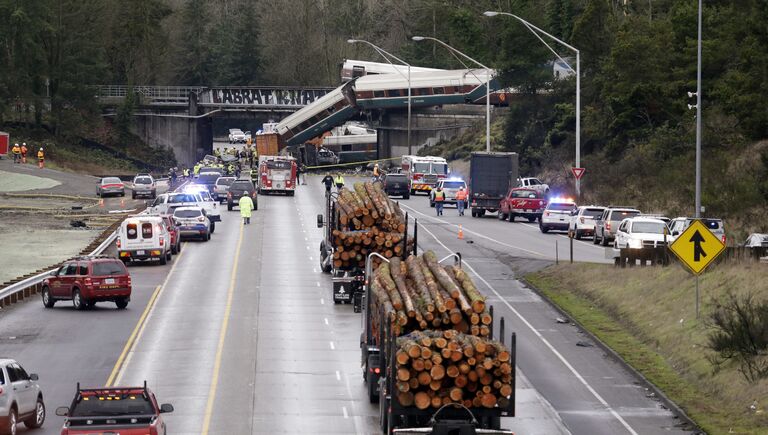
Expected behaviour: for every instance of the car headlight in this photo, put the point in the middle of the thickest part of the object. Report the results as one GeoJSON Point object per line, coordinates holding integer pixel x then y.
{"type": "Point", "coordinates": [635, 244]}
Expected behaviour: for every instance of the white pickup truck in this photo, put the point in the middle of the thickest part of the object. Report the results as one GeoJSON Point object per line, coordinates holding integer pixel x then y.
{"type": "Point", "coordinates": [535, 184]}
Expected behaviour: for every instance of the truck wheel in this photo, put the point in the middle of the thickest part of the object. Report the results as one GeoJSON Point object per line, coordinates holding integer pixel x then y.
{"type": "Point", "coordinates": [604, 240]}
{"type": "Point", "coordinates": [255, 205]}
{"type": "Point", "coordinates": [511, 217]}
{"type": "Point", "coordinates": [77, 300]}
{"type": "Point", "coordinates": [532, 219]}
{"type": "Point", "coordinates": [578, 235]}
{"type": "Point", "coordinates": [543, 229]}
{"type": "Point", "coordinates": [10, 423]}
{"type": "Point", "coordinates": [163, 260]}
{"type": "Point", "coordinates": [501, 216]}
{"type": "Point", "coordinates": [213, 227]}
{"type": "Point", "coordinates": [595, 239]}
{"type": "Point", "coordinates": [407, 195]}
{"type": "Point", "coordinates": [133, 195]}
{"type": "Point", "coordinates": [371, 378]}
{"type": "Point", "coordinates": [38, 418]}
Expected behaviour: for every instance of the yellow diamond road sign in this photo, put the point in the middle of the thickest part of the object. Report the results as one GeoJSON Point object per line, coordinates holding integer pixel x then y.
{"type": "Point", "coordinates": [697, 247]}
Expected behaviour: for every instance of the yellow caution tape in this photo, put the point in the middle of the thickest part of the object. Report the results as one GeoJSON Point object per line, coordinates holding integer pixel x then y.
{"type": "Point", "coordinates": [352, 164]}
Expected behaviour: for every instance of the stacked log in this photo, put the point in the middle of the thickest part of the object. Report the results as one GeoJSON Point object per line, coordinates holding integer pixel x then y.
{"type": "Point", "coordinates": [369, 222]}
{"type": "Point", "coordinates": [435, 368]}
{"type": "Point", "coordinates": [419, 294]}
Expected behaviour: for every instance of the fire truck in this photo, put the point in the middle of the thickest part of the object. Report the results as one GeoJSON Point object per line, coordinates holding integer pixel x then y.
{"type": "Point", "coordinates": [423, 172]}
{"type": "Point", "coordinates": [277, 174]}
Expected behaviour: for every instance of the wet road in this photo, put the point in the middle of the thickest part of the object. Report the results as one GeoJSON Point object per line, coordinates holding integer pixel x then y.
{"type": "Point", "coordinates": [241, 335]}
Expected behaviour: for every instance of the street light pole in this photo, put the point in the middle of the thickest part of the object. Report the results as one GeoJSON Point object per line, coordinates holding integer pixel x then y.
{"type": "Point", "coordinates": [386, 55]}
{"type": "Point", "coordinates": [487, 87]}
{"type": "Point", "coordinates": [537, 31]}
{"type": "Point", "coordinates": [698, 123]}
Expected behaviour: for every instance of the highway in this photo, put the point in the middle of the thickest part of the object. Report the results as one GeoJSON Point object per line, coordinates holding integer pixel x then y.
{"type": "Point", "coordinates": [241, 336]}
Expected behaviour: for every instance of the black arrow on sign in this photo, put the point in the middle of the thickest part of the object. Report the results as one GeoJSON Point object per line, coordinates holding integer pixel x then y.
{"type": "Point", "coordinates": [698, 251]}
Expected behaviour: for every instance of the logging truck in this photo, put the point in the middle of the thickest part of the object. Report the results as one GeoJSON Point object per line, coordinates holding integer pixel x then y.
{"type": "Point", "coordinates": [357, 222]}
{"type": "Point", "coordinates": [438, 380]}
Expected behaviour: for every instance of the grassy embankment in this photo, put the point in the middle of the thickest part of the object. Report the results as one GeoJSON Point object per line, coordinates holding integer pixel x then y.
{"type": "Point", "coordinates": [647, 315]}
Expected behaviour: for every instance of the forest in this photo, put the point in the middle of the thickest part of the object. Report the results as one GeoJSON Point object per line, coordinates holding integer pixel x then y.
{"type": "Point", "coordinates": [638, 63]}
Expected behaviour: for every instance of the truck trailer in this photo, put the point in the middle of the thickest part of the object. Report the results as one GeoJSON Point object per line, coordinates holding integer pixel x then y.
{"type": "Point", "coordinates": [490, 177]}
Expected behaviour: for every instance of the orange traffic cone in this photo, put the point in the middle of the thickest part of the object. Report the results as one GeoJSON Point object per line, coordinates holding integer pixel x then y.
{"type": "Point", "coordinates": [461, 233]}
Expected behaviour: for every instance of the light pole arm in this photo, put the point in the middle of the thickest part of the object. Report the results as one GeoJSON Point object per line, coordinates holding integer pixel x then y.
{"type": "Point", "coordinates": [454, 50]}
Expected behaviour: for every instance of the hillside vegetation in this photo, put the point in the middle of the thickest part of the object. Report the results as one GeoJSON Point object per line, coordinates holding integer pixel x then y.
{"type": "Point", "coordinates": [647, 315]}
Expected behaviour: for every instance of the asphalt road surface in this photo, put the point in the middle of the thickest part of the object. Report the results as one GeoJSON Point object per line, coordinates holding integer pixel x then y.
{"type": "Point", "coordinates": [241, 335]}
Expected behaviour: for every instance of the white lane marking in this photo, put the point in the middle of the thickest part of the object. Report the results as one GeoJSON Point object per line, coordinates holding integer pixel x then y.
{"type": "Point", "coordinates": [325, 319]}
{"type": "Point", "coordinates": [314, 270]}
{"type": "Point", "coordinates": [478, 234]}
{"type": "Point", "coordinates": [318, 283]}
{"type": "Point", "coordinates": [338, 375]}
{"type": "Point", "coordinates": [333, 346]}
{"type": "Point", "coordinates": [344, 410]}
{"type": "Point", "coordinates": [544, 340]}
{"type": "Point", "coordinates": [322, 301]}
{"type": "Point", "coordinates": [311, 259]}
{"type": "Point", "coordinates": [306, 239]}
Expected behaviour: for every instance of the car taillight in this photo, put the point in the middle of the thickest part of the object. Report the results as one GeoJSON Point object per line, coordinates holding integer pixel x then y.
{"type": "Point", "coordinates": [201, 219]}
{"type": "Point", "coordinates": [608, 226]}
{"type": "Point", "coordinates": [118, 242]}
{"type": "Point", "coordinates": [1, 391]}
{"type": "Point", "coordinates": [129, 281]}
{"type": "Point", "coordinates": [162, 241]}
{"type": "Point", "coordinates": [723, 239]}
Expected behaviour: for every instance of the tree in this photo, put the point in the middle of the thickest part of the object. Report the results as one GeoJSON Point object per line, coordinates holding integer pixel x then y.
{"type": "Point", "coordinates": [193, 58]}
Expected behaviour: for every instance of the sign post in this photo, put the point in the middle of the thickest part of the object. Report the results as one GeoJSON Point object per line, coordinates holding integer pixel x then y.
{"type": "Point", "coordinates": [697, 248]}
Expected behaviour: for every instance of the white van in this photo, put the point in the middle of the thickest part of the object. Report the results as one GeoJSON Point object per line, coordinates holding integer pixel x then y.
{"type": "Point", "coordinates": [143, 238]}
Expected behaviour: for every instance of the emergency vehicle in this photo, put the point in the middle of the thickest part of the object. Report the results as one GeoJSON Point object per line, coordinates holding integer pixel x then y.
{"type": "Point", "coordinates": [423, 172]}
{"type": "Point", "coordinates": [277, 174]}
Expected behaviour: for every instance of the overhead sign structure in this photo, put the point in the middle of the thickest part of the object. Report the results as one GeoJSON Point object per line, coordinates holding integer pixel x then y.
{"type": "Point", "coordinates": [697, 247]}
{"type": "Point", "coordinates": [578, 172]}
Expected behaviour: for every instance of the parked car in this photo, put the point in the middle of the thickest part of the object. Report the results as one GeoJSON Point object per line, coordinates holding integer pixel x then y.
{"type": "Point", "coordinates": [397, 185]}
{"type": "Point", "coordinates": [110, 186]}
{"type": "Point", "coordinates": [524, 202]}
{"type": "Point", "coordinates": [535, 184]}
{"type": "Point", "coordinates": [165, 203]}
{"type": "Point", "coordinates": [221, 187]}
{"type": "Point", "coordinates": [173, 230]}
{"type": "Point", "coordinates": [144, 185]}
{"type": "Point", "coordinates": [450, 186]}
{"type": "Point", "coordinates": [21, 398]}
{"type": "Point", "coordinates": [192, 222]}
{"type": "Point", "coordinates": [557, 215]}
{"type": "Point", "coordinates": [238, 189]}
{"type": "Point", "coordinates": [583, 221]}
{"type": "Point", "coordinates": [641, 232]}
{"type": "Point", "coordinates": [87, 280]}
{"type": "Point", "coordinates": [114, 410]}
{"type": "Point", "coordinates": [236, 135]}
{"type": "Point", "coordinates": [608, 222]}
{"type": "Point", "coordinates": [679, 224]}
{"type": "Point", "coordinates": [144, 237]}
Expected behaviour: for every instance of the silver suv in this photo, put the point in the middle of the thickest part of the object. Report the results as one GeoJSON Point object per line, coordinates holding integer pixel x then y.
{"type": "Point", "coordinates": [144, 185]}
{"type": "Point", "coordinates": [21, 399]}
{"type": "Point", "coordinates": [607, 224]}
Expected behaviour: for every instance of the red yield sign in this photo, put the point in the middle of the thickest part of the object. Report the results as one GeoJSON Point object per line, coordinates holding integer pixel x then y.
{"type": "Point", "coordinates": [578, 172]}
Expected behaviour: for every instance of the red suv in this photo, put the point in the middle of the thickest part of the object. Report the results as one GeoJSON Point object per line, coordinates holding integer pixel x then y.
{"type": "Point", "coordinates": [87, 280]}
{"type": "Point", "coordinates": [174, 231]}
{"type": "Point", "coordinates": [126, 411]}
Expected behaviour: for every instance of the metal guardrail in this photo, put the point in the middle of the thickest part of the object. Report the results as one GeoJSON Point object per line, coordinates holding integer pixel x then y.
{"type": "Point", "coordinates": [164, 95]}
{"type": "Point", "coordinates": [27, 287]}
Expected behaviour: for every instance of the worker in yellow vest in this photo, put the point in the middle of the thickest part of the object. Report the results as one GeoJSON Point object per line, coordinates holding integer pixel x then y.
{"type": "Point", "coordinates": [16, 151]}
{"type": "Point", "coordinates": [439, 200]}
{"type": "Point", "coordinates": [41, 158]}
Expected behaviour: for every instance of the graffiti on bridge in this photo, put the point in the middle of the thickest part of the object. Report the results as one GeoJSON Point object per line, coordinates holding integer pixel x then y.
{"type": "Point", "coordinates": [264, 97]}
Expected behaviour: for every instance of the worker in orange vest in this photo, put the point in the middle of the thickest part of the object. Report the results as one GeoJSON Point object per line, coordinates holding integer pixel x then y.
{"type": "Point", "coordinates": [461, 198]}
{"type": "Point", "coordinates": [24, 153]}
{"type": "Point", "coordinates": [40, 158]}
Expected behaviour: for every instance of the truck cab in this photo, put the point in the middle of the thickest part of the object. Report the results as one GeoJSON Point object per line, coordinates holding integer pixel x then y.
{"type": "Point", "coordinates": [424, 172]}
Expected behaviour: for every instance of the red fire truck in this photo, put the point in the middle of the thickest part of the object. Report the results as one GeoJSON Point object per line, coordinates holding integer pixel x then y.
{"type": "Point", "coordinates": [423, 172]}
{"type": "Point", "coordinates": [277, 174]}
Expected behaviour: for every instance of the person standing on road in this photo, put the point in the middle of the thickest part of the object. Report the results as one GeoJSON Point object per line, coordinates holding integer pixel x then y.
{"type": "Point", "coordinates": [439, 200]}
{"type": "Point", "coordinates": [246, 206]}
{"type": "Point", "coordinates": [376, 172]}
{"type": "Point", "coordinates": [16, 151]}
{"type": "Point", "coordinates": [24, 153]}
{"type": "Point", "coordinates": [338, 180]}
{"type": "Point", "coordinates": [173, 176]}
{"type": "Point", "coordinates": [328, 181]}
{"type": "Point", "coordinates": [461, 197]}
{"type": "Point", "coordinates": [41, 158]}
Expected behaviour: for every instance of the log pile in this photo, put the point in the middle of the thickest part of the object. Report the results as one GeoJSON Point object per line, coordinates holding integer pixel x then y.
{"type": "Point", "coordinates": [369, 222]}
{"type": "Point", "coordinates": [434, 368]}
{"type": "Point", "coordinates": [419, 294]}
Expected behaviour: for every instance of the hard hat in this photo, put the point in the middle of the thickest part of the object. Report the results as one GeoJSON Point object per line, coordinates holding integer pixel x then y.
{"type": "Point", "coordinates": [41, 148]}
{"type": "Point", "coordinates": [24, 143]}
